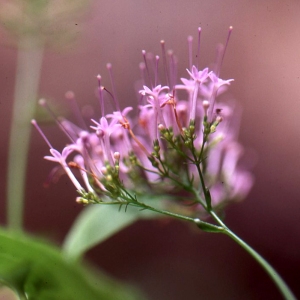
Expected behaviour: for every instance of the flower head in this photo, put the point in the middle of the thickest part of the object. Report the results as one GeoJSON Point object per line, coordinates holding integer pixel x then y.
{"type": "Point", "coordinates": [174, 145]}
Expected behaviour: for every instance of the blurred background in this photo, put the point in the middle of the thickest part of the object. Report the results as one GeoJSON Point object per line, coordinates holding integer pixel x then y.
{"type": "Point", "coordinates": [170, 260]}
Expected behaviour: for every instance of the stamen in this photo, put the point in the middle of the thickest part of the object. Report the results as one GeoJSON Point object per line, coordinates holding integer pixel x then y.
{"type": "Point", "coordinates": [190, 48]}
{"type": "Point", "coordinates": [100, 89]}
{"type": "Point", "coordinates": [74, 106]}
{"type": "Point", "coordinates": [163, 50]}
{"type": "Point", "coordinates": [109, 68]}
{"type": "Point", "coordinates": [44, 103]}
{"type": "Point", "coordinates": [146, 67]}
{"type": "Point", "coordinates": [142, 69]}
{"type": "Point", "coordinates": [198, 48]}
{"type": "Point", "coordinates": [34, 123]}
{"type": "Point", "coordinates": [156, 70]}
{"type": "Point", "coordinates": [223, 52]}
{"type": "Point", "coordinates": [172, 69]}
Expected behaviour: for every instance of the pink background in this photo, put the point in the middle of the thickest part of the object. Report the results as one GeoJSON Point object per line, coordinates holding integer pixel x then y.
{"type": "Point", "coordinates": [169, 260]}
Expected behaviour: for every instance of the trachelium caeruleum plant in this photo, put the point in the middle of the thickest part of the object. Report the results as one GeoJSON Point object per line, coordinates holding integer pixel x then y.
{"type": "Point", "coordinates": [181, 148]}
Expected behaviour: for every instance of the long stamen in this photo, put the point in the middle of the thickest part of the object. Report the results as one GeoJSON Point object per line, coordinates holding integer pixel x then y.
{"type": "Point", "coordinates": [198, 48]}
{"type": "Point", "coordinates": [224, 51]}
{"type": "Point", "coordinates": [190, 48]}
{"type": "Point", "coordinates": [146, 67]}
{"type": "Point", "coordinates": [156, 70]}
{"type": "Point", "coordinates": [112, 82]}
{"type": "Point", "coordinates": [44, 103]}
{"type": "Point", "coordinates": [100, 89]}
{"type": "Point", "coordinates": [172, 69]}
{"type": "Point", "coordinates": [142, 69]}
{"type": "Point", "coordinates": [34, 123]}
{"type": "Point", "coordinates": [163, 50]}
{"type": "Point", "coordinates": [70, 96]}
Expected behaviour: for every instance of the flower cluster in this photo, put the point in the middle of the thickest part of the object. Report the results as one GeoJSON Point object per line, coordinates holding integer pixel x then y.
{"type": "Point", "coordinates": [182, 143]}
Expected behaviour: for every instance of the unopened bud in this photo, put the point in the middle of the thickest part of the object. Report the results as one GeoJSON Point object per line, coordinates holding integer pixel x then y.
{"type": "Point", "coordinates": [109, 178]}
{"type": "Point", "coordinates": [117, 155]}
{"type": "Point", "coordinates": [205, 104]}
{"type": "Point", "coordinates": [104, 170]}
{"type": "Point", "coordinates": [161, 127]}
{"type": "Point", "coordinates": [219, 119]}
{"type": "Point", "coordinates": [80, 200]}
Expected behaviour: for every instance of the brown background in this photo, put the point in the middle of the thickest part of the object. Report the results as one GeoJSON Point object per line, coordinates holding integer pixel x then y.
{"type": "Point", "coordinates": [168, 260]}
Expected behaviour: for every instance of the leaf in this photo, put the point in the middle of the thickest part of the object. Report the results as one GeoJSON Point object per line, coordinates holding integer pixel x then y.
{"type": "Point", "coordinates": [207, 227]}
{"type": "Point", "coordinates": [97, 223]}
{"type": "Point", "coordinates": [39, 271]}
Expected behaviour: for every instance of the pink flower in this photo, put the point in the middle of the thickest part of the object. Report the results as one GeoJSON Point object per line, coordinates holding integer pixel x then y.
{"type": "Point", "coordinates": [61, 159]}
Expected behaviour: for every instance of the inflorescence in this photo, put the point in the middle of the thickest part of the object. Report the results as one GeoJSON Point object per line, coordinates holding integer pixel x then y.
{"type": "Point", "coordinates": [182, 144]}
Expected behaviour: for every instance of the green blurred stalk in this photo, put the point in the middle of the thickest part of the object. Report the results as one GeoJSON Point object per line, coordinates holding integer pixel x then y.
{"type": "Point", "coordinates": [29, 61]}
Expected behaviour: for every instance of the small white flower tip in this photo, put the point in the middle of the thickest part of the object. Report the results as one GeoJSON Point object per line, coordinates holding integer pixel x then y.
{"type": "Point", "coordinates": [230, 28]}
{"type": "Point", "coordinates": [144, 52]}
{"type": "Point", "coordinates": [33, 122]}
{"type": "Point", "coordinates": [108, 66]}
{"type": "Point", "coordinates": [199, 29]}
{"type": "Point", "coordinates": [190, 38]}
{"type": "Point", "coordinates": [98, 76]}
{"type": "Point", "coordinates": [205, 104]}
{"type": "Point", "coordinates": [42, 102]}
{"type": "Point", "coordinates": [162, 42]}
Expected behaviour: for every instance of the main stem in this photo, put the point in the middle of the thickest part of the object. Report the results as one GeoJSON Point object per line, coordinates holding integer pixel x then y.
{"type": "Point", "coordinates": [282, 286]}
{"type": "Point", "coordinates": [29, 61]}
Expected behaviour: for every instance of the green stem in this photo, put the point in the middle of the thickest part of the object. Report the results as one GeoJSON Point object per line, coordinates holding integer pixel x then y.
{"type": "Point", "coordinates": [282, 286]}
{"type": "Point", "coordinates": [279, 282]}
{"type": "Point", "coordinates": [29, 61]}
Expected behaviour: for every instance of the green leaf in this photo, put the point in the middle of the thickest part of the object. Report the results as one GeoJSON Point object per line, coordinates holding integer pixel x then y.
{"type": "Point", "coordinates": [209, 227]}
{"type": "Point", "coordinates": [208, 199]}
{"type": "Point", "coordinates": [39, 271]}
{"type": "Point", "coordinates": [97, 223]}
